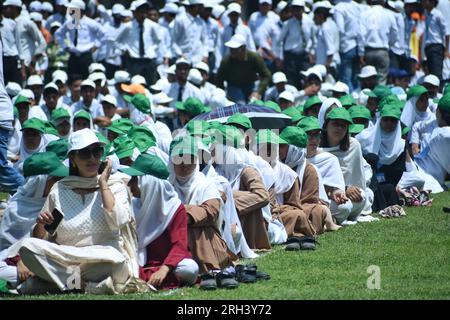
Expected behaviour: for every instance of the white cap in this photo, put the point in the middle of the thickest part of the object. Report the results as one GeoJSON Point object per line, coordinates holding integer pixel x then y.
{"type": "Point", "coordinates": [182, 61]}
{"type": "Point", "coordinates": [281, 6]}
{"type": "Point", "coordinates": [367, 71]}
{"type": "Point", "coordinates": [286, 95]}
{"type": "Point", "coordinates": [236, 41]}
{"type": "Point", "coordinates": [195, 77]}
{"type": "Point", "coordinates": [79, 4]}
{"type": "Point", "coordinates": [121, 76]}
{"type": "Point", "coordinates": [322, 4]}
{"type": "Point", "coordinates": [279, 77]}
{"type": "Point", "coordinates": [138, 3]}
{"type": "Point", "coordinates": [81, 139]}
{"type": "Point", "coordinates": [98, 76]}
{"type": "Point", "coordinates": [432, 79]}
{"type": "Point", "coordinates": [94, 67]}
{"type": "Point", "coordinates": [36, 16]}
{"type": "Point", "coordinates": [169, 8]}
{"type": "Point", "coordinates": [202, 66]}
{"type": "Point", "coordinates": [161, 98]}
{"type": "Point", "coordinates": [160, 85]}
{"type": "Point", "coordinates": [34, 80]}
{"type": "Point", "coordinates": [110, 99]}
{"type": "Point", "coordinates": [15, 3]}
{"type": "Point", "coordinates": [55, 24]}
{"type": "Point", "coordinates": [88, 83]}
{"type": "Point", "coordinates": [340, 87]}
{"type": "Point", "coordinates": [59, 75]}
{"type": "Point", "coordinates": [314, 71]}
{"type": "Point", "coordinates": [62, 2]}
{"type": "Point", "coordinates": [138, 79]}
{"type": "Point", "coordinates": [35, 6]}
{"type": "Point", "coordinates": [265, 1]}
{"type": "Point", "coordinates": [27, 93]}
{"type": "Point", "coordinates": [193, 2]}
{"type": "Point", "coordinates": [51, 85]}
{"type": "Point", "coordinates": [13, 88]}
{"type": "Point", "coordinates": [208, 4]}
{"type": "Point", "coordinates": [218, 10]}
{"type": "Point", "coordinates": [298, 3]}
{"type": "Point", "coordinates": [47, 7]}
{"type": "Point", "coordinates": [411, 1]}
{"type": "Point", "coordinates": [397, 5]}
{"type": "Point", "coordinates": [126, 14]}
{"type": "Point", "coordinates": [234, 7]}
{"type": "Point", "coordinates": [171, 69]}
{"type": "Point", "coordinates": [117, 8]}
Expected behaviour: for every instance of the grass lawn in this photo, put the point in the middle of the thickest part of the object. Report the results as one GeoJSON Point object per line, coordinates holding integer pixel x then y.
{"type": "Point", "coordinates": [412, 252]}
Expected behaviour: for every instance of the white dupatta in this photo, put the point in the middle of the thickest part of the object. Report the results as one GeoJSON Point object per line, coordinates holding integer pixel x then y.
{"type": "Point", "coordinates": [411, 115]}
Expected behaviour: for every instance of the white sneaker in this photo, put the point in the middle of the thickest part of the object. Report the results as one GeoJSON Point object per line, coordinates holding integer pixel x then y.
{"type": "Point", "coordinates": [106, 287]}
{"type": "Point", "coordinates": [348, 223]}
{"type": "Point", "coordinates": [367, 219]}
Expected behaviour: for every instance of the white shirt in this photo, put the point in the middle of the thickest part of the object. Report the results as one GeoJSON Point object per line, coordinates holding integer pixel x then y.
{"type": "Point", "coordinates": [213, 34]}
{"type": "Point", "coordinates": [327, 43]}
{"type": "Point", "coordinates": [377, 29]}
{"type": "Point", "coordinates": [95, 110]}
{"type": "Point", "coordinates": [399, 47]}
{"type": "Point", "coordinates": [346, 15]}
{"type": "Point", "coordinates": [189, 90]}
{"type": "Point", "coordinates": [436, 28]}
{"type": "Point", "coordinates": [32, 41]}
{"type": "Point", "coordinates": [6, 107]}
{"type": "Point", "coordinates": [264, 28]}
{"type": "Point", "coordinates": [48, 114]}
{"type": "Point", "coordinates": [421, 132]}
{"type": "Point", "coordinates": [295, 36]}
{"type": "Point", "coordinates": [189, 36]}
{"type": "Point", "coordinates": [109, 50]}
{"type": "Point", "coordinates": [53, 18]}
{"type": "Point", "coordinates": [272, 93]}
{"type": "Point", "coordinates": [129, 38]}
{"type": "Point", "coordinates": [10, 37]}
{"type": "Point", "coordinates": [121, 103]}
{"type": "Point", "coordinates": [90, 34]}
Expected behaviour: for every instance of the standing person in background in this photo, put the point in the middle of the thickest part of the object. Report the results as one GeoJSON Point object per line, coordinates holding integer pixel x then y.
{"type": "Point", "coordinates": [12, 66]}
{"type": "Point", "coordinates": [213, 33]}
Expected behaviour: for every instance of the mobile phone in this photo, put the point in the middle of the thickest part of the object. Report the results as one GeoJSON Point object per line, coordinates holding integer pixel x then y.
{"type": "Point", "coordinates": [102, 167]}
{"type": "Point", "coordinates": [57, 218]}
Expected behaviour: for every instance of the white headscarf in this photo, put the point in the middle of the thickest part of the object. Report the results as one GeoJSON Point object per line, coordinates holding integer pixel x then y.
{"type": "Point", "coordinates": [324, 108]}
{"type": "Point", "coordinates": [25, 153]}
{"type": "Point", "coordinates": [159, 203]}
{"type": "Point", "coordinates": [296, 158]}
{"type": "Point", "coordinates": [387, 145]}
{"type": "Point", "coordinates": [231, 164]}
{"type": "Point", "coordinates": [330, 170]}
{"type": "Point", "coordinates": [411, 115]}
{"type": "Point", "coordinates": [22, 211]}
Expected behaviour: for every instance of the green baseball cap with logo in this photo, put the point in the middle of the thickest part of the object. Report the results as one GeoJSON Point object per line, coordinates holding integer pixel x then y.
{"type": "Point", "coordinates": [340, 114]}
{"type": "Point", "coordinates": [311, 102]}
{"type": "Point", "coordinates": [59, 147]}
{"type": "Point", "coordinates": [295, 136]}
{"type": "Point", "coordinates": [391, 111]}
{"type": "Point", "coordinates": [309, 124]}
{"type": "Point", "coordinates": [268, 136]}
{"type": "Point", "coordinates": [147, 164]}
{"type": "Point", "coordinates": [359, 111]}
{"type": "Point", "coordinates": [240, 119]}
{"type": "Point", "coordinates": [44, 163]}
{"type": "Point", "coordinates": [142, 137]}
{"type": "Point", "coordinates": [444, 103]}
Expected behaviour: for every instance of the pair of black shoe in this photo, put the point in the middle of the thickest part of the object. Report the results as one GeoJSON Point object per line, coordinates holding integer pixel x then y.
{"type": "Point", "coordinates": [300, 243]}
{"type": "Point", "coordinates": [249, 273]}
{"type": "Point", "coordinates": [212, 281]}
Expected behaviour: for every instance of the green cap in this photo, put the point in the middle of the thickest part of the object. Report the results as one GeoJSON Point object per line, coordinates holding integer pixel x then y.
{"type": "Point", "coordinates": [391, 110]}
{"type": "Point", "coordinates": [240, 119]}
{"type": "Point", "coordinates": [347, 101]}
{"type": "Point", "coordinates": [272, 105]}
{"type": "Point", "coordinates": [295, 136]}
{"type": "Point", "coordinates": [142, 103]}
{"type": "Point", "coordinates": [82, 114]}
{"type": "Point", "coordinates": [405, 130]}
{"type": "Point", "coordinates": [60, 113]}
{"type": "Point", "coordinates": [359, 111]}
{"type": "Point", "coordinates": [121, 126]}
{"type": "Point", "coordinates": [214, 124]}
{"type": "Point", "coordinates": [444, 103]}
{"type": "Point", "coordinates": [390, 99]}
{"type": "Point", "coordinates": [309, 124]}
{"type": "Point", "coordinates": [44, 163]}
{"type": "Point", "coordinates": [124, 147]}
{"type": "Point", "coordinates": [382, 91]}
{"type": "Point", "coordinates": [369, 93]}
{"type": "Point", "coordinates": [293, 112]}
{"type": "Point", "coordinates": [268, 136]}
{"type": "Point", "coordinates": [193, 106]}
{"type": "Point", "coordinates": [229, 135]}
{"type": "Point", "coordinates": [356, 128]}
{"type": "Point", "coordinates": [59, 147]}
{"type": "Point", "coordinates": [102, 138]}
{"type": "Point", "coordinates": [197, 127]}
{"type": "Point", "coordinates": [311, 102]}
{"type": "Point", "coordinates": [50, 128]}
{"type": "Point", "coordinates": [416, 91]}
{"type": "Point", "coordinates": [340, 114]}
{"type": "Point", "coordinates": [21, 99]}
{"type": "Point", "coordinates": [142, 137]}
{"type": "Point", "coordinates": [147, 164]}
{"type": "Point", "coordinates": [184, 145]}
{"type": "Point", "coordinates": [34, 123]}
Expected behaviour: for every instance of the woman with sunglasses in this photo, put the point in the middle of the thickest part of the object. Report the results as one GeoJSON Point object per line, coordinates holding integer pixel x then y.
{"type": "Point", "coordinates": [93, 248]}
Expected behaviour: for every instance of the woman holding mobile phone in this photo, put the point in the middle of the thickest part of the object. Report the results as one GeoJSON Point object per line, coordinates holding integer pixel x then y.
{"type": "Point", "coordinates": [94, 246]}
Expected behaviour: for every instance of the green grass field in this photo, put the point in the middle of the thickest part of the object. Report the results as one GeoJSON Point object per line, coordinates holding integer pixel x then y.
{"type": "Point", "coordinates": [412, 252]}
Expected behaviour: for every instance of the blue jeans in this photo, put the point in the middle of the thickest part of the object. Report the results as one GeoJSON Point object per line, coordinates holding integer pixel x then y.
{"type": "Point", "coordinates": [349, 67]}
{"type": "Point", "coordinates": [239, 94]}
{"type": "Point", "coordinates": [10, 179]}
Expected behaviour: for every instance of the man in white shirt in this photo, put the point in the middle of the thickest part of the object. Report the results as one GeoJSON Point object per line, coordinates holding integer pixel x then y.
{"type": "Point", "coordinates": [141, 41]}
{"type": "Point", "coordinates": [280, 85]}
{"type": "Point", "coordinates": [51, 97]}
{"type": "Point", "coordinates": [59, 15]}
{"type": "Point", "coordinates": [12, 65]}
{"type": "Point", "coordinates": [81, 37]}
{"type": "Point", "coordinates": [294, 44]}
{"type": "Point", "coordinates": [189, 34]}
{"type": "Point", "coordinates": [213, 34]}
{"type": "Point", "coordinates": [377, 33]}
{"type": "Point", "coordinates": [265, 29]}
{"type": "Point", "coordinates": [88, 101]}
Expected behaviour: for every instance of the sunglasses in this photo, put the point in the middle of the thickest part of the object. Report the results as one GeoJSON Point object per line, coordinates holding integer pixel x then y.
{"type": "Point", "coordinates": [86, 153]}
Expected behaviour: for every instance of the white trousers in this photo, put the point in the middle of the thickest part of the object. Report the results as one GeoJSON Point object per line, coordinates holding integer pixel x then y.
{"type": "Point", "coordinates": [348, 210]}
